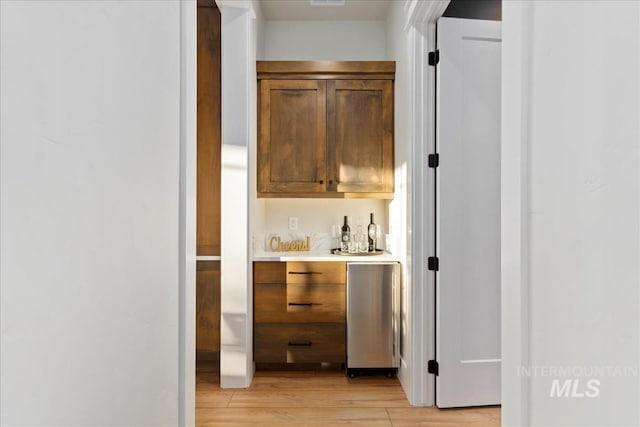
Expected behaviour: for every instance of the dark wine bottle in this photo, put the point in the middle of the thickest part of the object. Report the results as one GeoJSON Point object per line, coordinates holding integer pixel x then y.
{"type": "Point", "coordinates": [371, 233]}
{"type": "Point", "coordinates": [345, 236]}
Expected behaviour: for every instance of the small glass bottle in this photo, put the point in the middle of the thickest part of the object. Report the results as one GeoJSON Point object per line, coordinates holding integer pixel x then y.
{"type": "Point", "coordinates": [372, 231]}
{"type": "Point", "coordinates": [345, 236]}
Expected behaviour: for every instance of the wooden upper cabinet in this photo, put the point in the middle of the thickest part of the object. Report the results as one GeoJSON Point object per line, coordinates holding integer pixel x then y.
{"type": "Point", "coordinates": [292, 149]}
{"type": "Point", "coordinates": [325, 129]}
{"type": "Point", "coordinates": [360, 136]}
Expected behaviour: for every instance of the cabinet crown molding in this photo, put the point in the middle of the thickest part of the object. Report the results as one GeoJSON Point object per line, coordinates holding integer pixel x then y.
{"type": "Point", "coordinates": [380, 70]}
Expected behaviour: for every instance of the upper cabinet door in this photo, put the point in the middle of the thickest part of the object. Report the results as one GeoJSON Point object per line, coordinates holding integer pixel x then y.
{"type": "Point", "coordinates": [360, 136]}
{"type": "Point", "coordinates": [292, 148]}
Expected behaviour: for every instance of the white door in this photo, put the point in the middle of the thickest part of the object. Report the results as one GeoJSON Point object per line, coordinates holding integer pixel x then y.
{"type": "Point", "coordinates": [468, 213]}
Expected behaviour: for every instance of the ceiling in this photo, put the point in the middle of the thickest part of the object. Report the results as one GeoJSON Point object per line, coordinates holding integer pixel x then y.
{"type": "Point", "coordinates": [301, 10]}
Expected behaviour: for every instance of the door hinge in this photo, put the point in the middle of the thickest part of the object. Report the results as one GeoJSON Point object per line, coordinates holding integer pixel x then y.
{"type": "Point", "coordinates": [433, 263]}
{"type": "Point", "coordinates": [434, 160]}
{"type": "Point", "coordinates": [433, 367]}
{"type": "Point", "coordinates": [434, 57]}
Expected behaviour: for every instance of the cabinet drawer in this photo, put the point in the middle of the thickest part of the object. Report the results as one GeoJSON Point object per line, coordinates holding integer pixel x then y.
{"type": "Point", "coordinates": [297, 302]}
{"type": "Point", "coordinates": [316, 272]}
{"type": "Point", "coordinates": [269, 272]}
{"type": "Point", "coordinates": [299, 343]}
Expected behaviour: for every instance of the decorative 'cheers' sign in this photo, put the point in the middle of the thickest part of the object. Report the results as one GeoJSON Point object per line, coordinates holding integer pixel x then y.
{"type": "Point", "coordinates": [277, 245]}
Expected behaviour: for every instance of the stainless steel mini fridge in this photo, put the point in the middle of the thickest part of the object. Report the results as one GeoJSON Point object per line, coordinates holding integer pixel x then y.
{"type": "Point", "coordinates": [373, 317]}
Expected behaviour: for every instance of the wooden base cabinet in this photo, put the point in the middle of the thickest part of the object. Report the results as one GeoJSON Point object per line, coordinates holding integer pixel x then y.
{"type": "Point", "coordinates": [299, 312]}
{"type": "Point", "coordinates": [207, 309]}
{"type": "Point", "coordinates": [299, 342]}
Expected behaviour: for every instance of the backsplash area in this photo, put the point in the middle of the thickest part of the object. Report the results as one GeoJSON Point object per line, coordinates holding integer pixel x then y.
{"type": "Point", "coordinates": [318, 215]}
{"type": "Point", "coordinates": [315, 219]}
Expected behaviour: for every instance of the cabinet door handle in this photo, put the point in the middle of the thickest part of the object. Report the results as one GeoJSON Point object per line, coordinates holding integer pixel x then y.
{"type": "Point", "coordinates": [299, 343]}
{"type": "Point", "coordinates": [308, 273]}
{"type": "Point", "coordinates": [321, 182]}
{"type": "Point", "coordinates": [306, 304]}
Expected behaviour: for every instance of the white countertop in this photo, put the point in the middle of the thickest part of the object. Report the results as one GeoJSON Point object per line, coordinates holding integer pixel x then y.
{"type": "Point", "coordinates": [311, 256]}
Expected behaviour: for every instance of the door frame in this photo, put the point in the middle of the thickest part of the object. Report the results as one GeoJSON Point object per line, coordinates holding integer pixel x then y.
{"type": "Point", "coordinates": [421, 24]}
{"type": "Point", "coordinates": [187, 214]}
{"type": "Point", "coordinates": [422, 16]}
{"type": "Point", "coordinates": [516, 95]}
{"type": "Point", "coordinates": [516, 32]}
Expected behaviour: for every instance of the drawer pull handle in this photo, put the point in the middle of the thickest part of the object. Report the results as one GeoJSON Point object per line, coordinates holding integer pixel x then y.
{"type": "Point", "coordinates": [307, 304]}
{"type": "Point", "coordinates": [308, 273]}
{"type": "Point", "coordinates": [299, 343]}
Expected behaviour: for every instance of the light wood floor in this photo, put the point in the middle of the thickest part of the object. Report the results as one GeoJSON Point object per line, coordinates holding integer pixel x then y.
{"type": "Point", "coordinates": [322, 398]}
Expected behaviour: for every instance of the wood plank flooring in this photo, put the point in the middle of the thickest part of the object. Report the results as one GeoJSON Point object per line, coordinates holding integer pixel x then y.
{"type": "Point", "coordinates": [322, 398]}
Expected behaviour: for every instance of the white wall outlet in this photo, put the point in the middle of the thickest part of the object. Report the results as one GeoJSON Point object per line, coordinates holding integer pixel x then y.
{"type": "Point", "coordinates": [293, 223]}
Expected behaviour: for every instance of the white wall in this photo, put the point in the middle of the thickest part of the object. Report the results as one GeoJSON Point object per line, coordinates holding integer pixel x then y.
{"type": "Point", "coordinates": [398, 49]}
{"type": "Point", "coordinates": [241, 24]}
{"type": "Point", "coordinates": [318, 215]}
{"type": "Point", "coordinates": [325, 40]}
{"type": "Point", "coordinates": [90, 172]}
{"type": "Point", "coordinates": [571, 138]}
{"type": "Point", "coordinates": [256, 206]}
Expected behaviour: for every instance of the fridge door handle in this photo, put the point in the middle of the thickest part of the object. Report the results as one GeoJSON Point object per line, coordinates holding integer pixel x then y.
{"type": "Point", "coordinates": [395, 314]}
